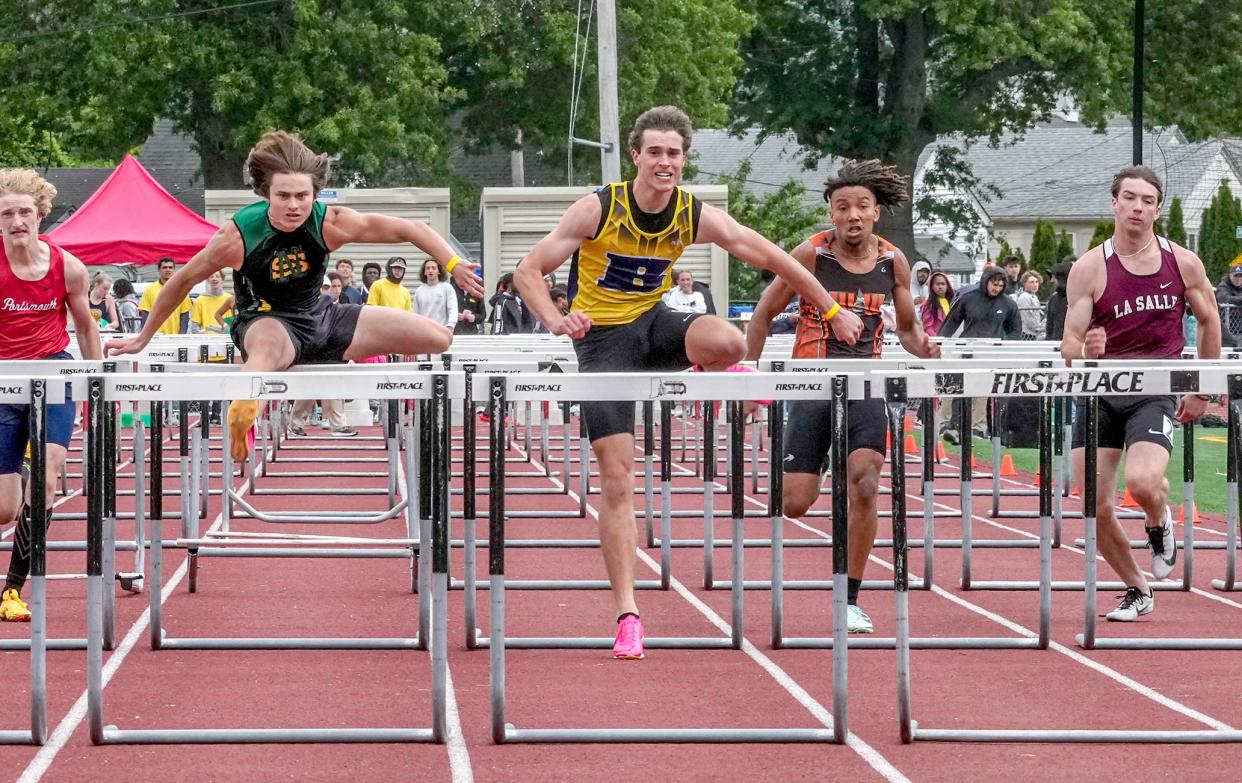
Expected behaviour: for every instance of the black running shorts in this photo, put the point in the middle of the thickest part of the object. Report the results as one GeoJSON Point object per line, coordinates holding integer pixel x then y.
{"type": "Point", "coordinates": [319, 336]}
{"type": "Point", "coordinates": [808, 431]}
{"type": "Point", "coordinates": [656, 340]}
{"type": "Point", "coordinates": [1126, 420]}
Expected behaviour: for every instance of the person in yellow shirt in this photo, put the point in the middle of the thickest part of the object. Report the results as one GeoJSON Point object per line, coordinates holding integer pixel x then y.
{"type": "Point", "coordinates": [179, 321]}
{"type": "Point", "coordinates": [209, 310]}
{"type": "Point", "coordinates": [389, 292]}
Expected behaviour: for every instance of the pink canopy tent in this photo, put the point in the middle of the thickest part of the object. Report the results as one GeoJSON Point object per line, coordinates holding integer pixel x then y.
{"type": "Point", "coordinates": [132, 219]}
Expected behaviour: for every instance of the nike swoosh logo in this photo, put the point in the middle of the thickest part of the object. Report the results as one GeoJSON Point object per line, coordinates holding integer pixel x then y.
{"type": "Point", "coordinates": [1165, 285]}
{"type": "Point", "coordinates": [1161, 434]}
{"type": "Point", "coordinates": [687, 318]}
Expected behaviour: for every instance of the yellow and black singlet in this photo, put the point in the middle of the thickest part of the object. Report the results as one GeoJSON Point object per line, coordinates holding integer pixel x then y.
{"type": "Point", "coordinates": [625, 268]}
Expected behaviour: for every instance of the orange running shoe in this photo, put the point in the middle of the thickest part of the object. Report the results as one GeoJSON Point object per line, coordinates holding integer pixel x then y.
{"type": "Point", "coordinates": [242, 414]}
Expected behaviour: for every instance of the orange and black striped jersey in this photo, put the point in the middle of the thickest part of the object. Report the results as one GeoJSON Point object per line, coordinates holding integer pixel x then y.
{"type": "Point", "coordinates": [863, 293]}
{"type": "Point", "coordinates": [624, 270]}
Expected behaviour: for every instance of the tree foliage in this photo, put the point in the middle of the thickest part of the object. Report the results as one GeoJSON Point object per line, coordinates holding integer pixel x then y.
{"type": "Point", "coordinates": [1065, 246]}
{"type": "Point", "coordinates": [1103, 231]}
{"type": "Point", "coordinates": [781, 215]}
{"type": "Point", "coordinates": [1177, 223]}
{"type": "Point", "coordinates": [1218, 242]}
{"type": "Point", "coordinates": [885, 78]}
{"type": "Point", "coordinates": [1044, 247]}
{"type": "Point", "coordinates": [515, 66]}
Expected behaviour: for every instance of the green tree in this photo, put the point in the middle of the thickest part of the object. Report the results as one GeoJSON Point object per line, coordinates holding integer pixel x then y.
{"type": "Point", "coordinates": [1103, 231]}
{"type": "Point", "coordinates": [1065, 246]}
{"type": "Point", "coordinates": [361, 79]}
{"type": "Point", "coordinates": [1218, 242]}
{"type": "Point", "coordinates": [1177, 223]}
{"type": "Point", "coordinates": [781, 215]}
{"type": "Point", "coordinates": [1044, 246]}
{"type": "Point", "coordinates": [886, 78]}
{"type": "Point", "coordinates": [515, 66]}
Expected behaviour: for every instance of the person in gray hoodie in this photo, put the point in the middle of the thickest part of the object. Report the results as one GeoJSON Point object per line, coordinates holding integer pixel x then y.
{"type": "Point", "coordinates": [983, 312]}
{"type": "Point", "coordinates": [920, 276]}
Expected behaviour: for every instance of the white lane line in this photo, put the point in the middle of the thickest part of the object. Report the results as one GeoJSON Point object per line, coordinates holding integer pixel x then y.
{"type": "Point", "coordinates": [64, 730]}
{"type": "Point", "coordinates": [873, 757]}
{"type": "Point", "coordinates": [455, 741]}
{"type": "Point", "coordinates": [1074, 655]}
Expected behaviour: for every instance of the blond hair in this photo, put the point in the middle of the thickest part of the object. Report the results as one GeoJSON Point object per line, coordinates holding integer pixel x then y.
{"type": "Point", "coordinates": [28, 182]}
{"type": "Point", "coordinates": [281, 152]}
{"type": "Point", "coordinates": [99, 279]}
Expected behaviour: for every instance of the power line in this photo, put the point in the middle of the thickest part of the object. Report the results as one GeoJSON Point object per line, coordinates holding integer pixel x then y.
{"type": "Point", "coordinates": [141, 20]}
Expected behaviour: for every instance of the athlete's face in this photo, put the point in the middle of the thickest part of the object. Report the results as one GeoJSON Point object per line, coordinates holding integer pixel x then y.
{"type": "Point", "coordinates": [659, 160]}
{"type": "Point", "coordinates": [1136, 205]}
{"type": "Point", "coordinates": [19, 218]}
{"type": "Point", "coordinates": [289, 199]}
{"type": "Point", "coordinates": [853, 212]}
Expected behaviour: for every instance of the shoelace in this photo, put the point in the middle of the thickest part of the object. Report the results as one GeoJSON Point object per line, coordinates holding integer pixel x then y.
{"type": "Point", "coordinates": [629, 633]}
{"type": "Point", "coordinates": [1132, 596]}
{"type": "Point", "coordinates": [1155, 535]}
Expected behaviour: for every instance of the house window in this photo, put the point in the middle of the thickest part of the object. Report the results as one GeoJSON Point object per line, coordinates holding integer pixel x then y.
{"type": "Point", "coordinates": [1192, 241]}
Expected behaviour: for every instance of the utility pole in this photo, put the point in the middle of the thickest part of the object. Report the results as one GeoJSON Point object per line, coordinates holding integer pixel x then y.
{"type": "Point", "coordinates": [609, 111]}
{"type": "Point", "coordinates": [517, 163]}
{"type": "Point", "coordinates": [1138, 83]}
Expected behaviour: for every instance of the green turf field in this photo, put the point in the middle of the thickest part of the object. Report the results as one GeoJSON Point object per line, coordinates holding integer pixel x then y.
{"type": "Point", "coordinates": [1209, 467]}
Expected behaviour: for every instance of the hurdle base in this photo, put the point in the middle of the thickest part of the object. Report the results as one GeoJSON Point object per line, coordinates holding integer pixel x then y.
{"type": "Point", "coordinates": [114, 736]}
{"type": "Point", "coordinates": [1062, 585]}
{"type": "Point", "coordinates": [1161, 644]}
{"type": "Point", "coordinates": [923, 643]}
{"type": "Point", "coordinates": [51, 644]}
{"type": "Point", "coordinates": [330, 643]}
{"type": "Point", "coordinates": [1076, 735]}
{"type": "Point", "coordinates": [702, 736]}
{"type": "Point", "coordinates": [605, 643]}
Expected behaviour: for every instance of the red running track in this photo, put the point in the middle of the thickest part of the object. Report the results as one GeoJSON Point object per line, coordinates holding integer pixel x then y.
{"type": "Point", "coordinates": [758, 686]}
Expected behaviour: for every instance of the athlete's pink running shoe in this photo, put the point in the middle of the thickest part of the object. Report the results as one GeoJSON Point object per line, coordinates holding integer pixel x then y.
{"type": "Point", "coordinates": [629, 643]}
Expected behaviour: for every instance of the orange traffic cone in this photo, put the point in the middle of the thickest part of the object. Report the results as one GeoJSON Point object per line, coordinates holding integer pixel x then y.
{"type": "Point", "coordinates": [941, 454]}
{"type": "Point", "coordinates": [974, 463]}
{"type": "Point", "coordinates": [1128, 501]}
{"type": "Point", "coordinates": [888, 440]}
{"type": "Point", "coordinates": [908, 424]}
{"type": "Point", "coordinates": [1007, 469]}
{"type": "Point", "coordinates": [910, 446]}
{"type": "Point", "coordinates": [1194, 514]}
{"type": "Point", "coordinates": [1037, 482]}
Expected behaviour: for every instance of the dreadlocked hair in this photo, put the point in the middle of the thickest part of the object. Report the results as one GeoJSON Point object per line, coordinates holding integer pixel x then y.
{"type": "Point", "coordinates": [890, 188]}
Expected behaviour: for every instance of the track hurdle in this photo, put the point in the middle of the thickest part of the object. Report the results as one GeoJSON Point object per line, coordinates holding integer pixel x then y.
{"type": "Point", "coordinates": [435, 388]}
{"type": "Point", "coordinates": [606, 386]}
{"type": "Point", "coordinates": [1088, 383]}
{"type": "Point", "coordinates": [35, 392]}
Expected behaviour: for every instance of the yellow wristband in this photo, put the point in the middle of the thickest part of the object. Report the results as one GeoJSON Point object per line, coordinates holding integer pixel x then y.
{"type": "Point", "coordinates": [832, 312]}
{"type": "Point", "coordinates": [452, 262]}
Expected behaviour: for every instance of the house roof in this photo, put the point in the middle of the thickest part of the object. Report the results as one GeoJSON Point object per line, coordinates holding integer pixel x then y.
{"type": "Point", "coordinates": [173, 159]}
{"type": "Point", "coordinates": [73, 188]}
{"type": "Point", "coordinates": [941, 255]}
{"type": "Point", "coordinates": [774, 161]}
{"type": "Point", "coordinates": [1063, 169]}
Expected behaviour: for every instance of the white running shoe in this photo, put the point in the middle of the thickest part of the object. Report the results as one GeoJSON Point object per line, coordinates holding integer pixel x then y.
{"type": "Point", "coordinates": [857, 621]}
{"type": "Point", "coordinates": [1162, 543]}
{"type": "Point", "coordinates": [1134, 604]}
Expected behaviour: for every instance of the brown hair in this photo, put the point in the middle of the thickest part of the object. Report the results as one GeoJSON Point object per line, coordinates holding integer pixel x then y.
{"type": "Point", "coordinates": [281, 152]}
{"type": "Point", "coordinates": [1038, 277]}
{"type": "Point", "coordinates": [28, 182]}
{"type": "Point", "coordinates": [1139, 172]}
{"type": "Point", "coordinates": [890, 188]}
{"type": "Point", "coordinates": [662, 118]}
